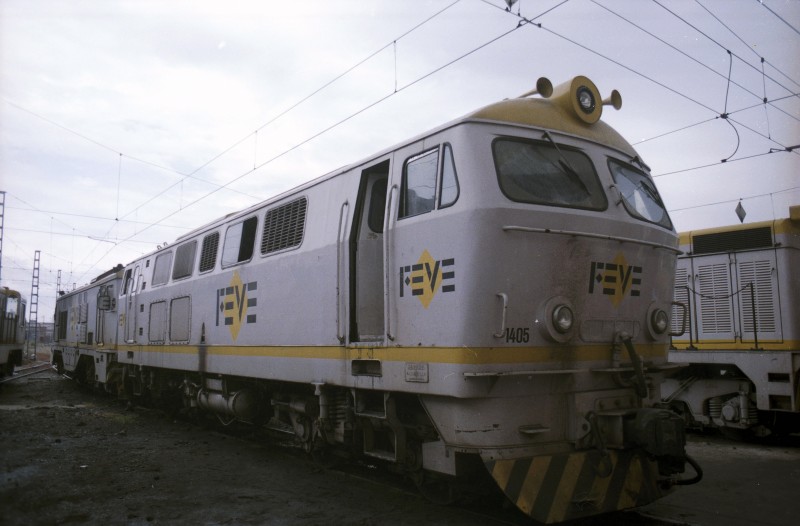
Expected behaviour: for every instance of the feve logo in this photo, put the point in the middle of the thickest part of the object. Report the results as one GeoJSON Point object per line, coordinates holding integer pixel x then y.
{"type": "Point", "coordinates": [233, 303]}
{"type": "Point", "coordinates": [615, 279]}
{"type": "Point", "coordinates": [426, 276]}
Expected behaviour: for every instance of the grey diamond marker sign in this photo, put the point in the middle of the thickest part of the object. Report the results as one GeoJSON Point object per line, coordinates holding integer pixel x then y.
{"type": "Point", "coordinates": [740, 212]}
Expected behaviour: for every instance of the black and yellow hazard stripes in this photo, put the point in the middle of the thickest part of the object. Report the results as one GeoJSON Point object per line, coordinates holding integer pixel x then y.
{"type": "Point", "coordinates": [555, 488]}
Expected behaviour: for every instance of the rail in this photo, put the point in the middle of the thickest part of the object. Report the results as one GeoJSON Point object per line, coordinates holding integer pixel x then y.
{"type": "Point", "coordinates": [26, 371]}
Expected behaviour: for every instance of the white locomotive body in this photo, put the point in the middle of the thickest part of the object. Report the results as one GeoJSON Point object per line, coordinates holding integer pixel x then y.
{"type": "Point", "coordinates": [494, 291]}
{"type": "Point", "coordinates": [742, 346]}
{"type": "Point", "coordinates": [86, 329]}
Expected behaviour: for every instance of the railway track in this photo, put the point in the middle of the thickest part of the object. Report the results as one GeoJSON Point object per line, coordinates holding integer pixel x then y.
{"type": "Point", "coordinates": [28, 370]}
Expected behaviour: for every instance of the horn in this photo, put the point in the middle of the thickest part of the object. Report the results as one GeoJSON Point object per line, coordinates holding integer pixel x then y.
{"type": "Point", "coordinates": [543, 87]}
{"type": "Point", "coordinates": [615, 100]}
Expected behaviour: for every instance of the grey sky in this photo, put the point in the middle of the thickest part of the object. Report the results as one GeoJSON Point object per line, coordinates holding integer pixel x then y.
{"type": "Point", "coordinates": [171, 85]}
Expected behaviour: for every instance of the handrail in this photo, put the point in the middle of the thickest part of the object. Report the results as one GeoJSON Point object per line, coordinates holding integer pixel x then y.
{"type": "Point", "coordinates": [340, 237]}
{"type": "Point", "coordinates": [387, 261]}
{"type": "Point", "coordinates": [590, 235]}
{"type": "Point", "coordinates": [503, 296]}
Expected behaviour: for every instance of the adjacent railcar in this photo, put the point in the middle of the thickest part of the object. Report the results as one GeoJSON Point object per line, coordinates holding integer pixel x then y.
{"type": "Point", "coordinates": [87, 330]}
{"type": "Point", "coordinates": [12, 330]}
{"type": "Point", "coordinates": [491, 295]}
{"type": "Point", "coordinates": [743, 344]}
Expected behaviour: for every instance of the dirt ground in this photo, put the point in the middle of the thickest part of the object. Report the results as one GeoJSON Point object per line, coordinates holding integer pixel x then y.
{"type": "Point", "coordinates": [72, 457]}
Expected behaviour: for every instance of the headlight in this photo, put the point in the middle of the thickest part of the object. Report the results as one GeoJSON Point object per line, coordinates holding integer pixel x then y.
{"type": "Point", "coordinates": [659, 320]}
{"type": "Point", "coordinates": [562, 318]}
{"type": "Point", "coordinates": [585, 99]}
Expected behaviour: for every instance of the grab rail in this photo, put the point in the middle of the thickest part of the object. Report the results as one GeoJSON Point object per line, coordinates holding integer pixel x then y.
{"type": "Point", "coordinates": [386, 261]}
{"type": "Point", "coordinates": [590, 235]}
{"type": "Point", "coordinates": [340, 244]}
{"type": "Point", "coordinates": [503, 296]}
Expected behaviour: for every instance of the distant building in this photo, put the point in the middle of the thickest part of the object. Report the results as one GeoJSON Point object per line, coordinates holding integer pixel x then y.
{"type": "Point", "coordinates": [44, 333]}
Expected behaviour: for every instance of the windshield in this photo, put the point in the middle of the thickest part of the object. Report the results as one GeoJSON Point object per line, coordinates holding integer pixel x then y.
{"type": "Point", "coordinates": [639, 194]}
{"type": "Point", "coordinates": [540, 173]}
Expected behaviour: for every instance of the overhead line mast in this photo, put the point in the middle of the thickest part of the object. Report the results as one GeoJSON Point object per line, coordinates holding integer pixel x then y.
{"type": "Point", "coordinates": [34, 305]}
{"type": "Point", "coordinates": [2, 213]}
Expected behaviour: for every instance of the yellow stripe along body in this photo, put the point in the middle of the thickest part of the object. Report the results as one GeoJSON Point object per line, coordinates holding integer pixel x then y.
{"type": "Point", "coordinates": [449, 355]}
{"type": "Point", "coordinates": [555, 488]}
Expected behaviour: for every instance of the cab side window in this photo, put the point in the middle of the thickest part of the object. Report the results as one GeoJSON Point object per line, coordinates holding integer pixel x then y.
{"type": "Point", "coordinates": [448, 192]}
{"type": "Point", "coordinates": [419, 184]}
{"type": "Point", "coordinates": [428, 178]}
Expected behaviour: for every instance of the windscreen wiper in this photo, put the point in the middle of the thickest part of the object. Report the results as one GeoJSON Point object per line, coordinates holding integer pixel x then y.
{"type": "Point", "coordinates": [563, 163]}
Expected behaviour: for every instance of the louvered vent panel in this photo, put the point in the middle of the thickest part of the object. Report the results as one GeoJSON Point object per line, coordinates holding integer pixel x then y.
{"type": "Point", "coordinates": [760, 274]}
{"type": "Point", "coordinates": [732, 241]}
{"type": "Point", "coordinates": [716, 311]}
{"type": "Point", "coordinates": [208, 254]}
{"type": "Point", "coordinates": [283, 227]}
{"type": "Point", "coordinates": [681, 295]}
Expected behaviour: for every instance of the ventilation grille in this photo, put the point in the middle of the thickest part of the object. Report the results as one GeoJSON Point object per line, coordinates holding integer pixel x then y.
{"type": "Point", "coordinates": [283, 226]}
{"type": "Point", "coordinates": [208, 254]}
{"type": "Point", "coordinates": [759, 273]}
{"type": "Point", "coordinates": [716, 309]}
{"type": "Point", "coordinates": [731, 241]}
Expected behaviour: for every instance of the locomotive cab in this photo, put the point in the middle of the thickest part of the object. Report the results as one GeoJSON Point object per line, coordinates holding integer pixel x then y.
{"type": "Point", "coordinates": [564, 251]}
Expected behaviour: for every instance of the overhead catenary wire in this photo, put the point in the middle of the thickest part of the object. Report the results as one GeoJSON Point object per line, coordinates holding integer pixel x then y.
{"type": "Point", "coordinates": [256, 166]}
{"type": "Point", "coordinates": [695, 60]}
{"type": "Point", "coordinates": [639, 73]}
{"type": "Point", "coordinates": [683, 128]}
{"type": "Point", "coordinates": [94, 238]}
{"type": "Point", "coordinates": [787, 149]}
{"type": "Point", "coordinates": [673, 13]}
{"type": "Point", "coordinates": [109, 148]}
{"type": "Point", "coordinates": [756, 196]}
{"type": "Point", "coordinates": [191, 175]}
{"type": "Point", "coordinates": [779, 17]}
{"type": "Point", "coordinates": [281, 114]}
{"type": "Point", "coordinates": [762, 59]}
{"type": "Point", "coordinates": [323, 131]}
{"type": "Point", "coordinates": [327, 84]}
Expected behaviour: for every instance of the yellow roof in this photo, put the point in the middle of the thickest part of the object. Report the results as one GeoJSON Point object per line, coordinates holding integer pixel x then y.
{"type": "Point", "coordinates": [546, 114]}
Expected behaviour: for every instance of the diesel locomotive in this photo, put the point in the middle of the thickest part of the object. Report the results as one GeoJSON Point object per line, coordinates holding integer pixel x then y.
{"type": "Point", "coordinates": [491, 296]}
{"type": "Point", "coordinates": [743, 344]}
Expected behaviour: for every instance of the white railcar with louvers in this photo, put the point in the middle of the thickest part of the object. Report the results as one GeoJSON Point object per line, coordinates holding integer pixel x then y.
{"type": "Point", "coordinates": [742, 344]}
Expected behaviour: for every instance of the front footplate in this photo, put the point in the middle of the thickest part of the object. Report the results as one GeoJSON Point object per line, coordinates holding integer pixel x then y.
{"type": "Point", "coordinates": [555, 488]}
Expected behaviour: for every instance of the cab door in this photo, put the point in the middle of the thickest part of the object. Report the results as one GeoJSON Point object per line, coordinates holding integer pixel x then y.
{"type": "Point", "coordinates": [367, 257]}
{"type": "Point", "coordinates": [131, 310]}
